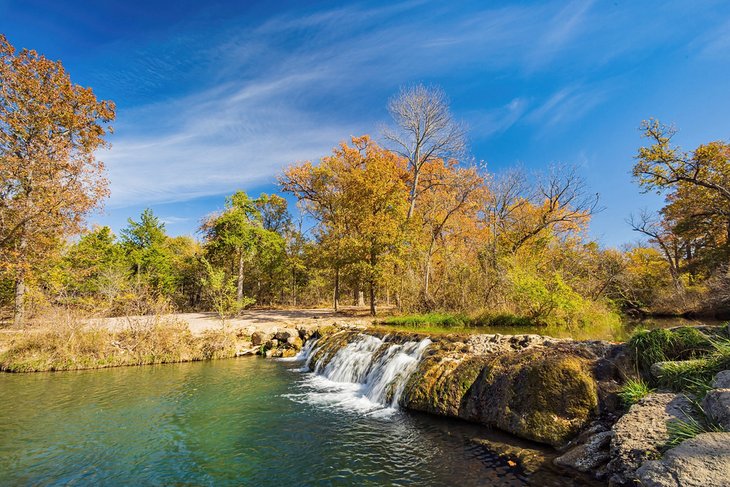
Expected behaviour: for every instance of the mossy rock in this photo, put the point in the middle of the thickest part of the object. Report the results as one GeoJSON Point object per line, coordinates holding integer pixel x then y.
{"type": "Point", "coordinates": [539, 394]}
{"type": "Point", "coordinates": [441, 383]}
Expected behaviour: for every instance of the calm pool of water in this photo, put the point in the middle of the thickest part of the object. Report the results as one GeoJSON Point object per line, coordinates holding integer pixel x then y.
{"type": "Point", "coordinates": [229, 422]}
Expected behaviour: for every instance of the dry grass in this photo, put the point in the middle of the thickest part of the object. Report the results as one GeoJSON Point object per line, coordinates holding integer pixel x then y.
{"type": "Point", "coordinates": [72, 343]}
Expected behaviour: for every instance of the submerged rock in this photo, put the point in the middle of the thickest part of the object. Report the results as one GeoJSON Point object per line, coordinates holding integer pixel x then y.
{"type": "Point", "coordinates": [641, 433]}
{"type": "Point", "coordinates": [702, 461]}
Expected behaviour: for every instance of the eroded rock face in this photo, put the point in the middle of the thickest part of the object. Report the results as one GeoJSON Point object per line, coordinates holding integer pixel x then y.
{"type": "Point", "coordinates": [702, 461]}
{"type": "Point", "coordinates": [641, 433]}
{"type": "Point", "coordinates": [541, 394]}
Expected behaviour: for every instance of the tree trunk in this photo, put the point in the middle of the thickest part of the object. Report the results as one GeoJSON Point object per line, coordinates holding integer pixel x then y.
{"type": "Point", "coordinates": [373, 264]}
{"type": "Point", "coordinates": [372, 298]}
{"type": "Point", "coordinates": [239, 284]}
{"type": "Point", "coordinates": [19, 309]}
{"type": "Point", "coordinates": [337, 288]}
{"type": "Point", "coordinates": [414, 183]}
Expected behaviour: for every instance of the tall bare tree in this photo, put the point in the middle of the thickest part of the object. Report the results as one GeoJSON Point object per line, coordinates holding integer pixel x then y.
{"type": "Point", "coordinates": [424, 131]}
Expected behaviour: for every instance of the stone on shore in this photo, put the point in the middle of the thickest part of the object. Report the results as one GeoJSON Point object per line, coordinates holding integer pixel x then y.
{"type": "Point", "coordinates": [641, 433]}
{"type": "Point", "coordinates": [703, 461]}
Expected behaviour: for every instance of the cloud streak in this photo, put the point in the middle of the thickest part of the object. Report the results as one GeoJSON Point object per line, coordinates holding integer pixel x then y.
{"type": "Point", "coordinates": [254, 98]}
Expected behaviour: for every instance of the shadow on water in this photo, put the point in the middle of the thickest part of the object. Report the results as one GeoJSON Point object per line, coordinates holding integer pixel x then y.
{"type": "Point", "coordinates": [233, 422]}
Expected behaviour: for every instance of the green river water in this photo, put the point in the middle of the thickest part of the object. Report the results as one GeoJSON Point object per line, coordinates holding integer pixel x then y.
{"type": "Point", "coordinates": [244, 421]}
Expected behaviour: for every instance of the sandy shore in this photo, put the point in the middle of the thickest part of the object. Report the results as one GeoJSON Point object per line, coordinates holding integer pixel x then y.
{"type": "Point", "coordinates": [256, 320]}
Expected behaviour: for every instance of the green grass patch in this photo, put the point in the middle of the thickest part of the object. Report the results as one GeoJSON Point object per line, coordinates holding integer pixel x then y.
{"type": "Point", "coordinates": [693, 358]}
{"type": "Point", "coordinates": [506, 320]}
{"type": "Point", "coordinates": [459, 320]}
{"type": "Point", "coordinates": [633, 391]}
{"type": "Point", "coordinates": [445, 320]}
{"type": "Point", "coordinates": [662, 345]}
{"type": "Point", "coordinates": [685, 429]}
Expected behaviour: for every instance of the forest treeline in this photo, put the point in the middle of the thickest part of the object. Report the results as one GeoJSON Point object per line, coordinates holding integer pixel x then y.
{"type": "Point", "coordinates": [403, 219]}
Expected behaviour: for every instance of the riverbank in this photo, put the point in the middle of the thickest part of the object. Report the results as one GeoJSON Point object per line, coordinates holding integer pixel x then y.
{"type": "Point", "coordinates": [68, 342]}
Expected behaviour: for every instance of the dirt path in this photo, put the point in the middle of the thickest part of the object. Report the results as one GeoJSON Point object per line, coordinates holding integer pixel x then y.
{"type": "Point", "coordinates": [259, 319]}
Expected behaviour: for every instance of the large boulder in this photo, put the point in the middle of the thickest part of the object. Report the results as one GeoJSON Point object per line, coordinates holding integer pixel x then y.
{"type": "Point", "coordinates": [641, 433]}
{"type": "Point", "coordinates": [539, 389]}
{"type": "Point", "coordinates": [702, 461]}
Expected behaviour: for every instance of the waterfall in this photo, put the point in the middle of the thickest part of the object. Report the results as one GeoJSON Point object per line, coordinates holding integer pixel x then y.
{"type": "Point", "coordinates": [367, 367]}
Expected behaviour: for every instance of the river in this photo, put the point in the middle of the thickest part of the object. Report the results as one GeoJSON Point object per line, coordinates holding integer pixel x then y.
{"type": "Point", "coordinates": [244, 421]}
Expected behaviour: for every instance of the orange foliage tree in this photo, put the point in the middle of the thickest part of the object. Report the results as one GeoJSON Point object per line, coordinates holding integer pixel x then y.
{"type": "Point", "coordinates": [50, 177]}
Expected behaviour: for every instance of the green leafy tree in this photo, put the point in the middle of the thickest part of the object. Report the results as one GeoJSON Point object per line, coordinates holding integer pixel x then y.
{"type": "Point", "coordinates": [239, 232]}
{"type": "Point", "coordinates": [145, 243]}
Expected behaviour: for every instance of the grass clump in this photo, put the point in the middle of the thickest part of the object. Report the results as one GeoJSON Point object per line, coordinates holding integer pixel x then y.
{"type": "Point", "coordinates": [691, 357]}
{"type": "Point", "coordinates": [685, 429]}
{"type": "Point", "coordinates": [662, 345]}
{"type": "Point", "coordinates": [633, 391]}
{"type": "Point", "coordinates": [458, 320]}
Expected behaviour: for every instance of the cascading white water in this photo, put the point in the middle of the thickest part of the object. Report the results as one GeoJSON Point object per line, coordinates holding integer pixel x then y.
{"type": "Point", "coordinates": [367, 370]}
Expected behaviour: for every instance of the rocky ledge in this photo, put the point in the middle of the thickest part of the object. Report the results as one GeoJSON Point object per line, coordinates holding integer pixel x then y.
{"type": "Point", "coordinates": [538, 388]}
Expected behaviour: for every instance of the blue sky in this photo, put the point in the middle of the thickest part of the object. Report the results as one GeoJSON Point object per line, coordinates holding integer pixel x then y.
{"type": "Point", "coordinates": [216, 96]}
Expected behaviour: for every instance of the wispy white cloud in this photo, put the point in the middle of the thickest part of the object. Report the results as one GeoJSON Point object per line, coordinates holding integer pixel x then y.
{"type": "Point", "coordinates": [292, 86]}
{"type": "Point", "coordinates": [566, 105]}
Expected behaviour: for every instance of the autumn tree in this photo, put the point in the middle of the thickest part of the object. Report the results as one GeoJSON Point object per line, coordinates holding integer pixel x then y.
{"type": "Point", "coordinates": [320, 197]}
{"type": "Point", "coordinates": [697, 187]}
{"type": "Point", "coordinates": [447, 210]}
{"type": "Point", "coordinates": [359, 196]}
{"type": "Point", "coordinates": [50, 178]}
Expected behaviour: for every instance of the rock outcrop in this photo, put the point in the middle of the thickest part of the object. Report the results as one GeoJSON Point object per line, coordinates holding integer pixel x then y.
{"type": "Point", "coordinates": [716, 403]}
{"type": "Point", "coordinates": [641, 433]}
{"type": "Point", "coordinates": [702, 461]}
